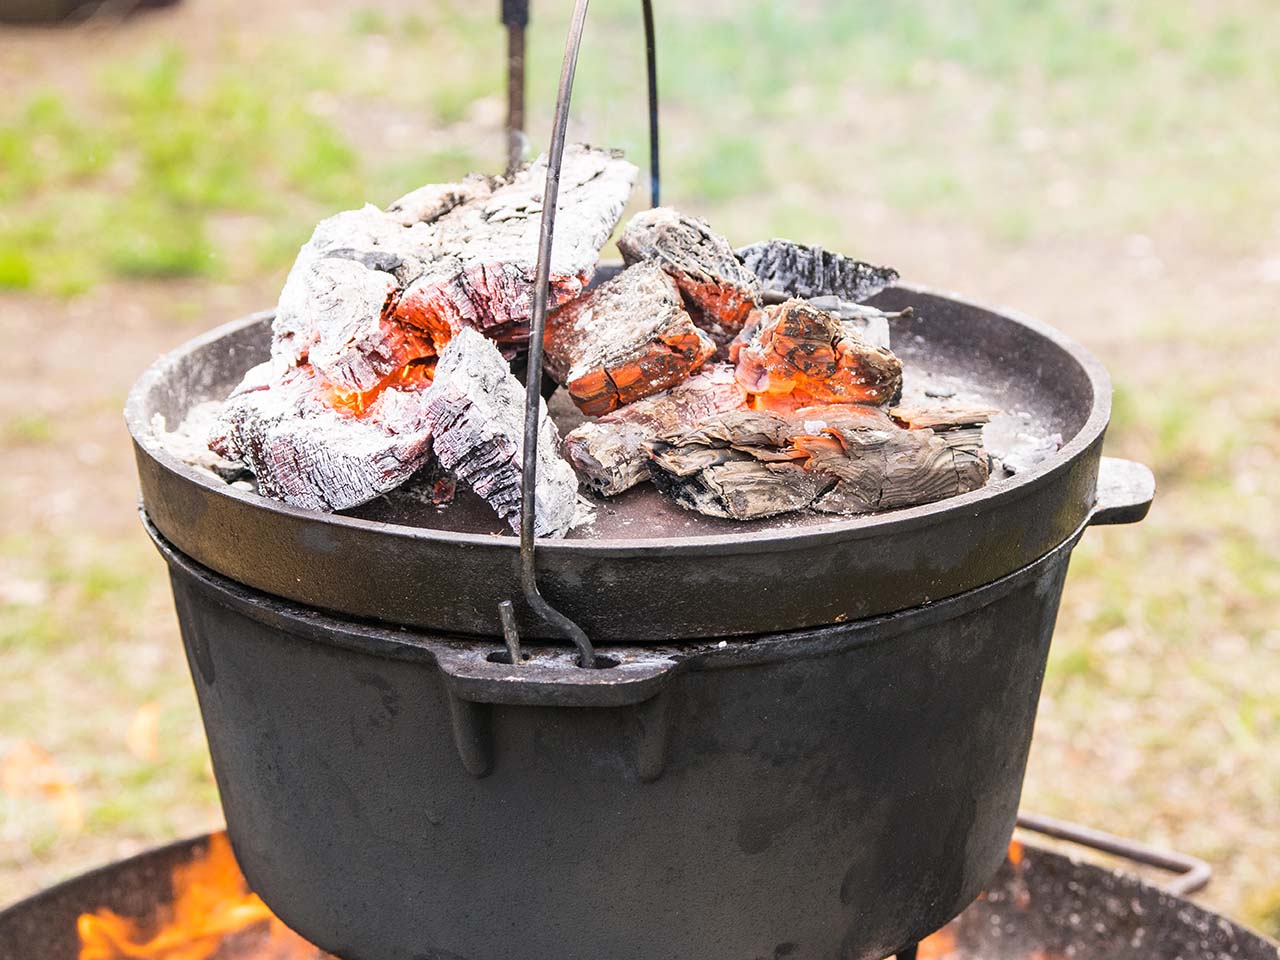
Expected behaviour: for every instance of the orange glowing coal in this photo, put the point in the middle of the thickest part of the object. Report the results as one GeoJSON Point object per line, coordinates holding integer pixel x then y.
{"type": "Point", "coordinates": [211, 907]}
{"type": "Point", "coordinates": [357, 402]}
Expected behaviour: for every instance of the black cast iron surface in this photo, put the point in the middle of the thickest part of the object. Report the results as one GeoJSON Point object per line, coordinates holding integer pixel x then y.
{"type": "Point", "coordinates": [394, 795]}
{"type": "Point", "coordinates": [1047, 906]}
{"type": "Point", "coordinates": [647, 570]}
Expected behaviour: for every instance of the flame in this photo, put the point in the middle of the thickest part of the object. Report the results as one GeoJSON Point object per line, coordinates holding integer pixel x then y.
{"type": "Point", "coordinates": [211, 901]}
{"type": "Point", "coordinates": [357, 402]}
{"type": "Point", "coordinates": [1015, 853]}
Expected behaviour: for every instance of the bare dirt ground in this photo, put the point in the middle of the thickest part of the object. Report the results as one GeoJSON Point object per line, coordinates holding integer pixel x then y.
{"type": "Point", "coordinates": [1162, 706]}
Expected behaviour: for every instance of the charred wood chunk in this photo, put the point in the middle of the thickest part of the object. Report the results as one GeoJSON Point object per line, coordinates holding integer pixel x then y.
{"type": "Point", "coordinates": [476, 412]}
{"type": "Point", "coordinates": [950, 415]}
{"type": "Point", "coordinates": [841, 458]}
{"type": "Point", "coordinates": [799, 355]}
{"type": "Point", "coordinates": [310, 451]}
{"type": "Point", "coordinates": [787, 269]}
{"type": "Point", "coordinates": [880, 466]}
{"type": "Point", "coordinates": [373, 290]}
{"type": "Point", "coordinates": [719, 291]}
{"type": "Point", "coordinates": [628, 339]}
{"type": "Point", "coordinates": [609, 454]}
{"type": "Point", "coordinates": [736, 486]}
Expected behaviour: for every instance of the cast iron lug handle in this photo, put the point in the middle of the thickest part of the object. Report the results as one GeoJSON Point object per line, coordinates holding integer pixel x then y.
{"type": "Point", "coordinates": [1124, 492]}
{"type": "Point", "coordinates": [551, 676]}
{"type": "Point", "coordinates": [1191, 873]}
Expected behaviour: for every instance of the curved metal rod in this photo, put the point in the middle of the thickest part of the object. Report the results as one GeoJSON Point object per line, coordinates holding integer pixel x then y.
{"type": "Point", "coordinates": [537, 327]}
{"type": "Point", "coordinates": [1193, 874]}
{"type": "Point", "coordinates": [533, 376]}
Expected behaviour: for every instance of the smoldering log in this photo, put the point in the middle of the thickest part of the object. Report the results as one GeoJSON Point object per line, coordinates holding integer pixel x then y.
{"type": "Point", "coordinates": [306, 448]}
{"type": "Point", "coordinates": [720, 292]}
{"type": "Point", "coordinates": [625, 340]}
{"type": "Point", "coordinates": [798, 355]}
{"type": "Point", "coordinates": [609, 454]}
{"type": "Point", "coordinates": [842, 458]}
{"type": "Point", "coordinates": [787, 269]}
{"type": "Point", "coordinates": [476, 412]}
{"type": "Point", "coordinates": [373, 290]}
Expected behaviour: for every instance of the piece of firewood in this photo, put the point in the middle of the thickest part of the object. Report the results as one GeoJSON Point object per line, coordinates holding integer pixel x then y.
{"type": "Point", "coordinates": [476, 412]}
{"type": "Point", "coordinates": [609, 454]}
{"type": "Point", "coordinates": [943, 415]}
{"type": "Point", "coordinates": [373, 290]}
{"type": "Point", "coordinates": [787, 269]}
{"type": "Point", "coordinates": [627, 339]}
{"type": "Point", "coordinates": [798, 355]}
{"type": "Point", "coordinates": [719, 291]}
{"type": "Point", "coordinates": [305, 447]}
{"type": "Point", "coordinates": [841, 458]}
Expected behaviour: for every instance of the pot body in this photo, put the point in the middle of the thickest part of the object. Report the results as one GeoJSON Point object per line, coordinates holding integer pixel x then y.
{"type": "Point", "coordinates": [832, 793]}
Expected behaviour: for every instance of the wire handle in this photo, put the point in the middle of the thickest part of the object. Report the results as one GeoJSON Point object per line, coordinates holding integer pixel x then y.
{"type": "Point", "coordinates": [515, 16]}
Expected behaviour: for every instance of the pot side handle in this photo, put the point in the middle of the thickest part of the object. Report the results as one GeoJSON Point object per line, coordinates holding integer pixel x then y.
{"type": "Point", "coordinates": [1124, 492]}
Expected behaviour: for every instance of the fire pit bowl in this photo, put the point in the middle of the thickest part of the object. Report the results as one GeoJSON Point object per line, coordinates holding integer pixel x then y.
{"type": "Point", "coordinates": [1043, 906]}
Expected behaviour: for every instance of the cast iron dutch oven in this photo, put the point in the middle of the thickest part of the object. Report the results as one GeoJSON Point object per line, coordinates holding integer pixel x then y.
{"type": "Point", "coordinates": [819, 749]}
{"type": "Point", "coordinates": [806, 737]}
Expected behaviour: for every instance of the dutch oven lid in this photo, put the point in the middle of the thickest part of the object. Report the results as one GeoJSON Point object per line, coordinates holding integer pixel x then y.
{"type": "Point", "coordinates": [647, 570]}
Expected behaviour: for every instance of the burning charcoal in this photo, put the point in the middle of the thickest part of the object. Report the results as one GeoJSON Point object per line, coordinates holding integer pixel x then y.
{"type": "Point", "coordinates": [787, 269]}
{"type": "Point", "coordinates": [373, 290]}
{"type": "Point", "coordinates": [799, 355]}
{"type": "Point", "coordinates": [840, 458]}
{"type": "Point", "coordinates": [626, 340]}
{"type": "Point", "coordinates": [609, 453]}
{"type": "Point", "coordinates": [476, 411]}
{"type": "Point", "coordinates": [313, 448]}
{"type": "Point", "coordinates": [719, 292]}
{"type": "Point", "coordinates": [485, 251]}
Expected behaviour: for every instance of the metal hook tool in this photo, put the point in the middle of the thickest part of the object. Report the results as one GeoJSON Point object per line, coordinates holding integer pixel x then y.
{"type": "Point", "coordinates": [516, 16]}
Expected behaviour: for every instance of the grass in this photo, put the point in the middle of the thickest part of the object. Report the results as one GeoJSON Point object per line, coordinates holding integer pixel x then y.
{"type": "Point", "coordinates": [1105, 164]}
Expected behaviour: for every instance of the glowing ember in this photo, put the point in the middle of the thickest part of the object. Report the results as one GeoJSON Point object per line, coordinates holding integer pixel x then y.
{"type": "Point", "coordinates": [357, 402]}
{"type": "Point", "coordinates": [211, 904]}
{"type": "Point", "coordinates": [799, 356]}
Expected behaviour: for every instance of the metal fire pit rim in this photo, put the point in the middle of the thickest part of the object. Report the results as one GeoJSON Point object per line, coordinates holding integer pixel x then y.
{"type": "Point", "coordinates": [186, 849]}
{"type": "Point", "coordinates": [184, 845]}
{"type": "Point", "coordinates": [1004, 491]}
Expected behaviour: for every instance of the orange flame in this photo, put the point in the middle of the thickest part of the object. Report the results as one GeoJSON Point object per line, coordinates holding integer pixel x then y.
{"type": "Point", "coordinates": [211, 901]}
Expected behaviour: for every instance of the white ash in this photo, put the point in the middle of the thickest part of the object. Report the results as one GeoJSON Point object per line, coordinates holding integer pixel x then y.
{"type": "Point", "coordinates": [476, 409]}
{"type": "Point", "coordinates": [189, 442]}
{"type": "Point", "coordinates": [1018, 448]}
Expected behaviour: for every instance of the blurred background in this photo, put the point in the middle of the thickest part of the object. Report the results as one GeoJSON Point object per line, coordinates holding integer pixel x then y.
{"type": "Point", "coordinates": [1110, 167]}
